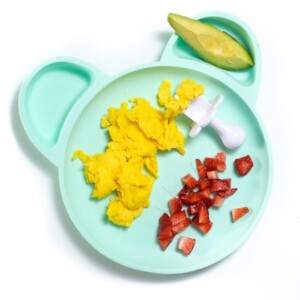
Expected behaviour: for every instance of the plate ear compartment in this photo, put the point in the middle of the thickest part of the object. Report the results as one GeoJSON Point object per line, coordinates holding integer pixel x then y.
{"type": "Point", "coordinates": [49, 97]}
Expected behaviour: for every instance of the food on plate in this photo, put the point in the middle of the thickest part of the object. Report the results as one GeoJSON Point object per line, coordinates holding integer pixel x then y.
{"type": "Point", "coordinates": [237, 213]}
{"type": "Point", "coordinates": [187, 90]}
{"type": "Point", "coordinates": [128, 167]}
{"type": "Point", "coordinates": [191, 205]}
{"type": "Point", "coordinates": [186, 244]}
{"type": "Point", "coordinates": [244, 165]}
{"type": "Point", "coordinates": [175, 205]}
{"type": "Point", "coordinates": [165, 232]}
{"type": "Point", "coordinates": [212, 45]}
{"type": "Point", "coordinates": [194, 200]}
{"type": "Point", "coordinates": [169, 226]}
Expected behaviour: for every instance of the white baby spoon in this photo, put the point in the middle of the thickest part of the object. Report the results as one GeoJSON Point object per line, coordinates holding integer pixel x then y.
{"type": "Point", "coordinates": [202, 113]}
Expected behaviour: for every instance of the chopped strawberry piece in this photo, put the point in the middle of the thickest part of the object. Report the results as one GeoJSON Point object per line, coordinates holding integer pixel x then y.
{"type": "Point", "coordinates": [204, 227]}
{"type": "Point", "coordinates": [164, 243]}
{"type": "Point", "coordinates": [218, 200]}
{"type": "Point", "coordinates": [178, 217]}
{"type": "Point", "coordinates": [210, 164]}
{"type": "Point", "coordinates": [186, 244]}
{"type": "Point", "coordinates": [207, 201]}
{"type": "Point", "coordinates": [193, 209]}
{"type": "Point", "coordinates": [228, 181]}
{"type": "Point", "coordinates": [212, 174]}
{"type": "Point", "coordinates": [164, 222]}
{"type": "Point", "coordinates": [221, 161]}
{"type": "Point", "coordinates": [220, 185]}
{"type": "Point", "coordinates": [186, 199]}
{"type": "Point", "coordinates": [227, 193]}
{"type": "Point", "coordinates": [237, 213]}
{"type": "Point", "coordinates": [190, 181]}
{"type": "Point", "coordinates": [183, 192]}
{"type": "Point", "coordinates": [204, 184]}
{"type": "Point", "coordinates": [244, 165]}
{"type": "Point", "coordinates": [165, 232]}
{"type": "Point", "coordinates": [201, 169]}
{"type": "Point", "coordinates": [175, 205]}
{"type": "Point", "coordinates": [205, 193]}
{"type": "Point", "coordinates": [195, 197]}
{"type": "Point", "coordinates": [203, 214]}
{"type": "Point", "coordinates": [181, 226]}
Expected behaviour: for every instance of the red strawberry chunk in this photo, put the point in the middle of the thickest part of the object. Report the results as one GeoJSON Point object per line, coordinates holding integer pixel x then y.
{"type": "Point", "coordinates": [175, 205]}
{"type": "Point", "coordinates": [178, 217]}
{"type": "Point", "coordinates": [186, 200]}
{"type": "Point", "coordinates": [220, 185]}
{"type": "Point", "coordinates": [186, 244]}
{"type": "Point", "coordinates": [221, 161]}
{"type": "Point", "coordinates": [181, 226]}
{"type": "Point", "coordinates": [193, 209]}
{"type": "Point", "coordinates": [205, 193]}
{"type": "Point", "coordinates": [228, 181]}
{"type": "Point", "coordinates": [165, 242]}
{"type": "Point", "coordinates": [244, 165]}
{"type": "Point", "coordinates": [195, 197]}
{"type": "Point", "coordinates": [237, 213]}
{"type": "Point", "coordinates": [201, 169]}
{"type": "Point", "coordinates": [203, 227]}
{"type": "Point", "coordinates": [210, 164]}
{"type": "Point", "coordinates": [183, 192]}
{"type": "Point", "coordinates": [204, 184]}
{"type": "Point", "coordinates": [212, 174]}
{"type": "Point", "coordinates": [165, 232]}
{"type": "Point", "coordinates": [218, 200]}
{"type": "Point", "coordinates": [189, 181]}
{"type": "Point", "coordinates": [207, 201]}
{"type": "Point", "coordinates": [164, 222]}
{"type": "Point", "coordinates": [203, 214]}
{"type": "Point", "coordinates": [179, 221]}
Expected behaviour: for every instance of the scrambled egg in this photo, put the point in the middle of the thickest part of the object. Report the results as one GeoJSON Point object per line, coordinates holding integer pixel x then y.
{"type": "Point", "coordinates": [129, 166]}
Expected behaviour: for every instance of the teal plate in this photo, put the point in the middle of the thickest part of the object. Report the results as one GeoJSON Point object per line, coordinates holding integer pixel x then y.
{"type": "Point", "coordinates": [61, 104]}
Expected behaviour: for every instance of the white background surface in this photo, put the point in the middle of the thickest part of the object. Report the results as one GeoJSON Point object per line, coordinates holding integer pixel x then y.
{"type": "Point", "coordinates": [42, 255]}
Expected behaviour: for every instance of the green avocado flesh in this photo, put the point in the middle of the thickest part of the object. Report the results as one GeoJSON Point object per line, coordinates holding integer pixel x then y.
{"type": "Point", "coordinates": [212, 45]}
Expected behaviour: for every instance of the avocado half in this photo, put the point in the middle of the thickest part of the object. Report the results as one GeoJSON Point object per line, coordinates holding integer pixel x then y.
{"type": "Point", "coordinates": [212, 45]}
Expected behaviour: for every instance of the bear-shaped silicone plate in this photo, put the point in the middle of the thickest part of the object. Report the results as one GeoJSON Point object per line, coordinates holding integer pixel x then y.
{"type": "Point", "coordinates": [61, 104]}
